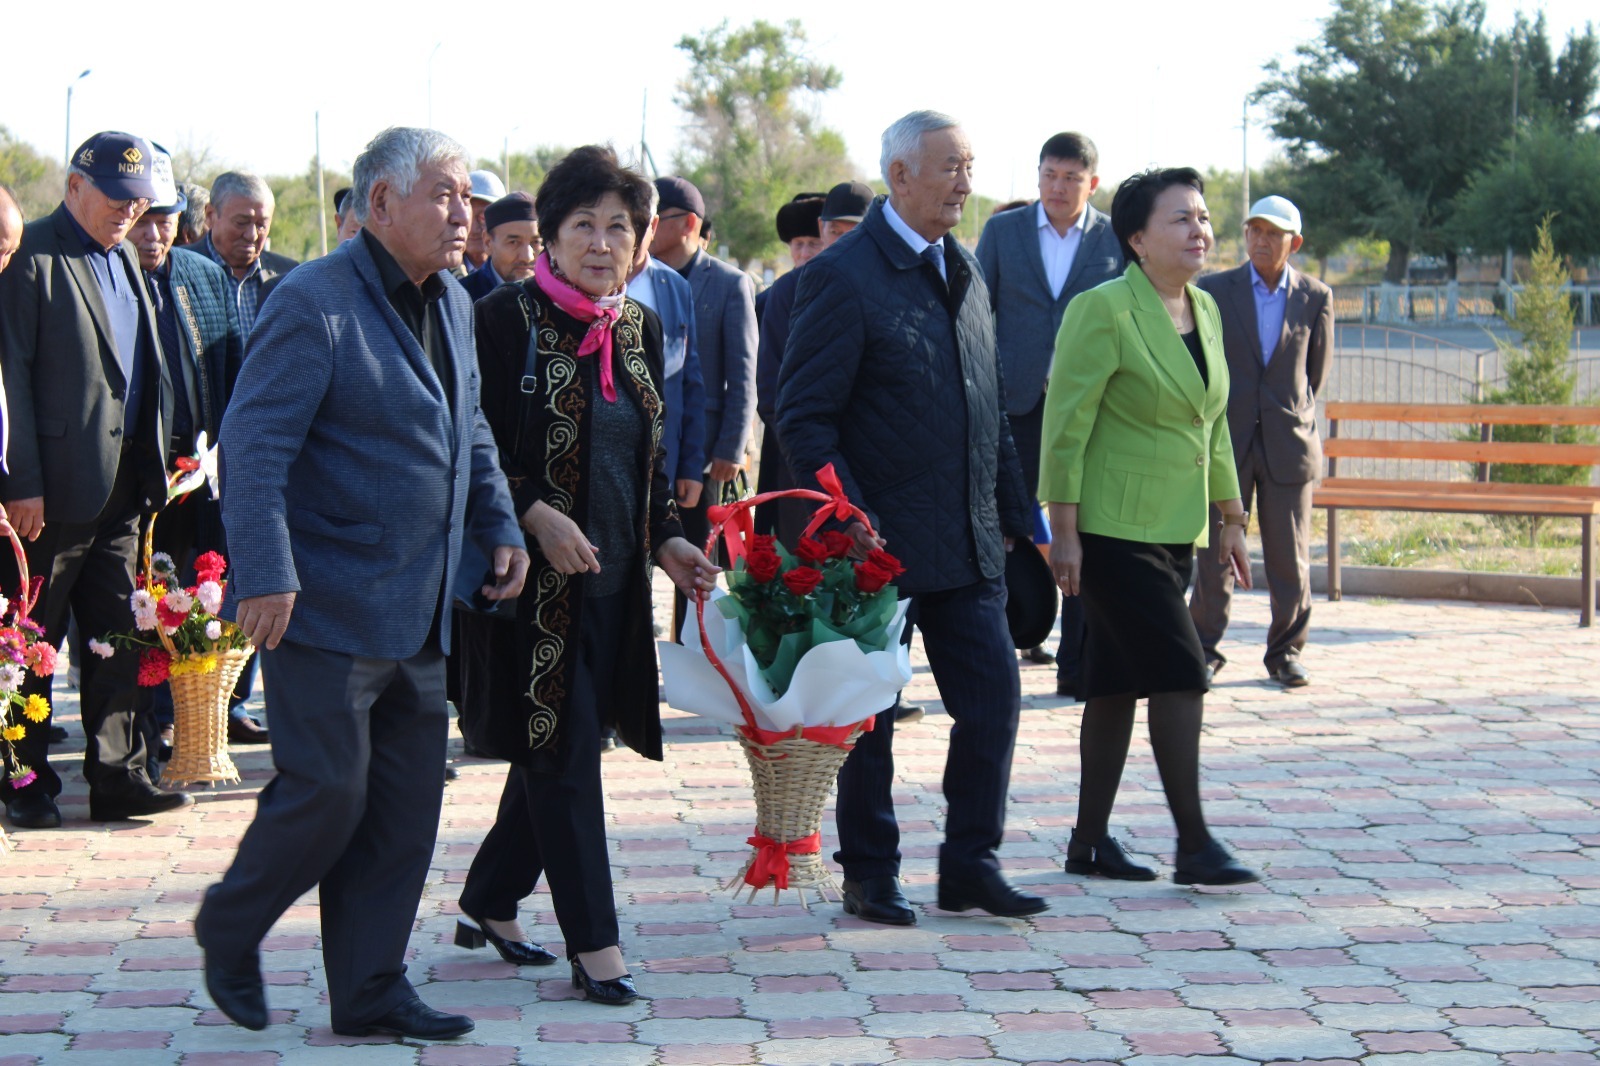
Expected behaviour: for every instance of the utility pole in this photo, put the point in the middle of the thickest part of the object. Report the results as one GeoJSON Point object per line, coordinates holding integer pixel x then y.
{"type": "Point", "coordinates": [431, 54]}
{"type": "Point", "coordinates": [322, 194]}
{"type": "Point", "coordinates": [1244, 139]}
{"type": "Point", "coordinates": [1515, 77]}
{"type": "Point", "coordinates": [67, 151]}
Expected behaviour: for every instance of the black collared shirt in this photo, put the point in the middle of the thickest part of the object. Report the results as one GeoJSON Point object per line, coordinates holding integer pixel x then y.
{"type": "Point", "coordinates": [418, 308]}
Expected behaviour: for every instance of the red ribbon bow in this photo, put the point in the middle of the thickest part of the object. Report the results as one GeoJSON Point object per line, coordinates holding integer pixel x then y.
{"type": "Point", "coordinates": [838, 505]}
{"type": "Point", "coordinates": [771, 862]}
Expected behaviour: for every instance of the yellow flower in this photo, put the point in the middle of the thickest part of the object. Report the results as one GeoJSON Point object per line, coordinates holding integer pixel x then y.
{"type": "Point", "coordinates": [37, 709]}
{"type": "Point", "coordinates": [12, 732]}
{"type": "Point", "coordinates": [193, 664]}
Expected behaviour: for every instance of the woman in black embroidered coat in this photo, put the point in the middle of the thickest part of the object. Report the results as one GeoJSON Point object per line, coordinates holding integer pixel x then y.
{"type": "Point", "coordinates": [580, 442]}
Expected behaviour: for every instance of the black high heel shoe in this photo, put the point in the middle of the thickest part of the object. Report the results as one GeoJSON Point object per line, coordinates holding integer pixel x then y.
{"type": "Point", "coordinates": [472, 933]}
{"type": "Point", "coordinates": [1106, 858]}
{"type": "Point", "coordinates": [614, 993]}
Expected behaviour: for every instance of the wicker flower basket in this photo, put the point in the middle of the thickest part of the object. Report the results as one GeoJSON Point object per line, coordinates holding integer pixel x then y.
{"type": "Point", "coordinates": [200, 723]}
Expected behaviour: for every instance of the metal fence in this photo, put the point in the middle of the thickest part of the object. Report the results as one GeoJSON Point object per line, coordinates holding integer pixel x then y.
{"type": "Point", "coordinates": [1384, 364]}
{"type": "Point", "coordinates": [1444, 304]}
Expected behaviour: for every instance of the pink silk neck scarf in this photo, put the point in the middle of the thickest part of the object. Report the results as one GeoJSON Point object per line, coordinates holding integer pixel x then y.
{"type": "Point", "coordinates": [601, 313]}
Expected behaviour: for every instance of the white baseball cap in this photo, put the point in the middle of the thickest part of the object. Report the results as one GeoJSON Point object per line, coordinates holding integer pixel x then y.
{"type": "Point", "coordinates": [1278, 211]}
{"type": "Point", "coordinates": [486, 185]}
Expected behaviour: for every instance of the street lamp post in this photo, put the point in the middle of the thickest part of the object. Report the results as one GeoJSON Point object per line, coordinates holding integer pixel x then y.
{"type": "Point", "coordinates": [67, 152]}
{"type": "Point", "coordinates": [505, 156]}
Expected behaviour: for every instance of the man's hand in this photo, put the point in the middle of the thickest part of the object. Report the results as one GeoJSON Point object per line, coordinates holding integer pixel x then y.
{"type": "Point", "coordinates": [510, 571]}
{"type": "Point", "coordinates": [723, 470]}
{"type": "Point", "coordinates": [865, 542]}
{"type": "Point", "coordinates": [263, 619]}
{"type": "Point", "coordinates": [688, 567]}
{"type": "Point", "coordinates": [560, 540]}
{"type": "Point", "coordinates": [26, 516]}
{"type": "Point", "coordinates": [688, 492]}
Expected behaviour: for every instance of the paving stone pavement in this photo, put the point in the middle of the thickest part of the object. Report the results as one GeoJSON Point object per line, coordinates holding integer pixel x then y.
{"type": "Point", "coordinates": [1424, 813]}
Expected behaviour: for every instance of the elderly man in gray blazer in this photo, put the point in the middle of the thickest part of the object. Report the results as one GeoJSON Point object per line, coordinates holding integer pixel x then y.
{"type": "Point", "coordinates": [726, 336]}
{"type": "Point", "coordinates": [1035, 259]}
{"type": "Point", "coordinates": [355, 459]}
{"type": "Point", "coordinates": [1277, 332]}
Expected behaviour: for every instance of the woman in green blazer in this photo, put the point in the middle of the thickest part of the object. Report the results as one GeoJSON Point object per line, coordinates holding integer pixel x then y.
{"type": "Point", "coordinates": [1135, 450]}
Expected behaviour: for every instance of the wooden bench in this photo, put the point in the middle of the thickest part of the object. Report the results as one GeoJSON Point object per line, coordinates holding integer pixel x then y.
{"type": "Point", "coordinates": [1481, 496]}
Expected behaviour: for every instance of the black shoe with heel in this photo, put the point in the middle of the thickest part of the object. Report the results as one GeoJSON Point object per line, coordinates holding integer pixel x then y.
{"type": "Point", "coordinates": [616, 992]}
{"type": "Point", "coordinates": [473, 933]}
{"type": "Point", "coordinates": [1211, 865]}
{"type": "Point", "coordinates": [1104, 859]}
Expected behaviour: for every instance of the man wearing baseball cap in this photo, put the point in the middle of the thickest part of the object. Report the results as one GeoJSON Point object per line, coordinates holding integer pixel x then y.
{"type": "Point", "coordinates": [1277, 331]}
{"type": "Point", "coordinates": [486, 189]}
{"type": "Point", "coordinates": [91, 403]}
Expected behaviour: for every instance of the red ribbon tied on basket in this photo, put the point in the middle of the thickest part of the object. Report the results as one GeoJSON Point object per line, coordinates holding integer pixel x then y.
{"type": "Point", "coordinates": [838, 504]}
{"type": "Point", "coordinates": [771, 862]}
{"type": "Point", "coordinates": [738, 526]}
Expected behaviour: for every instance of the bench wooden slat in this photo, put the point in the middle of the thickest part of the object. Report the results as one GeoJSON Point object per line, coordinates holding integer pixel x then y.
{"type": "Point", "coordinates": [1357, 500]}
{"type": "Point", "coordinates": [1465, 488]}
{"type": "Point", "coordinates": [1478, 413]}
{"type": "Point", "coordinates": [1465, 451]}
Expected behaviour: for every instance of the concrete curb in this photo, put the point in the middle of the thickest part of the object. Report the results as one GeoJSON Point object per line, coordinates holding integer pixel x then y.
{"type": "Point", "coordinates": [1532, 590]}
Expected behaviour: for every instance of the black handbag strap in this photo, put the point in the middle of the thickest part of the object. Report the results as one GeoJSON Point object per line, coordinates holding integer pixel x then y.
{"type": "Point", "coordinates": [530, 379]}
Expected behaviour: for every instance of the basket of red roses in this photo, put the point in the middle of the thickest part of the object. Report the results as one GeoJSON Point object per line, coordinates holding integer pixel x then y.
{"type": "Point", "coordinates": [799, 654]}
{"type": "Point", "coordinates": [22, 649]}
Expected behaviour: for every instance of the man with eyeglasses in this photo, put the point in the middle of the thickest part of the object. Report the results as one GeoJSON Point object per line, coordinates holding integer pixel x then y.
{"type": "Point", "coordinates": [90, 406]}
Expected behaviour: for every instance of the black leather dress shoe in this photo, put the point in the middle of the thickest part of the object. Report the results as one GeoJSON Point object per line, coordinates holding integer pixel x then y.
{"type": "Point", "coordinates": [1211, 865]}
{"type": "Point", "coordinates": [136, 799]}
{"type": "Point", "coordinates": [989, 893]}
{"type": "Point", "coordinates": [473, 933]}
{"type": "Point", "coordinates": [58, 734]}
{"type": "Point", "coordinates": [878, 899]}
{"type": "Point", "coordinates": [33, 810]}
{"type": "Point", "coordinates": [616, 992]}
{"type": "Point", "coordinates": [1104, 859]}
{"type": "Point", "coordinates": [1040, 656]}
{"type": "Point", "coordinates": [415, 1019]}
{"type": "Point", "coordinates": [906, 712]}
{"type": "Point", "coordinates": [236, 989]}
{"type": "Point", "coordinates": [1291, 674]}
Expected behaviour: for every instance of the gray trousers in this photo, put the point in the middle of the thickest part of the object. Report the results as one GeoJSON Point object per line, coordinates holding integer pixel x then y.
{"type": "Point", "coordinates": [1283, 513]}
{"type": "Point", "coordinates": [354, 809]}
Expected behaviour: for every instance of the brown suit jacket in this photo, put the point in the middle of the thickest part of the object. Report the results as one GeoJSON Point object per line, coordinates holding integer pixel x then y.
{"type": "Point", "coordinates": [1279, 397]}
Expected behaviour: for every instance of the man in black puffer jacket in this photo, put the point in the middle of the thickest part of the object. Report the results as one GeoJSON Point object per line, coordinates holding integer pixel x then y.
{"type": "Point", "coordinates": [890, 374]}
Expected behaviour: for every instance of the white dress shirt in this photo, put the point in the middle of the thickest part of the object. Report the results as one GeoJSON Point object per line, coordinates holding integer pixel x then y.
{"type": "Point", "coordinates": [917, 242]}
{"type": "Point", "coordinates": [1059, 251]}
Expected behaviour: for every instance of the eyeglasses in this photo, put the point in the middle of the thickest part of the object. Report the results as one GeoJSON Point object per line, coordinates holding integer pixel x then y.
{"type": "Point", "coordinates": [137, 205]}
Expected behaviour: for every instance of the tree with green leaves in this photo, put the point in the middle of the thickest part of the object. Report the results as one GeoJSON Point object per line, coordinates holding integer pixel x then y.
{"type": "Point", "coordinates": [1540, 371]}
{"type": "Point", "coordinates": [1398, 102]}
{"type": "Point", "coordinates": [1552, 172]}
{"type": "Point", "coordinates": [753, 137]}
{"type": "Point", "coordinates": [39, 181]}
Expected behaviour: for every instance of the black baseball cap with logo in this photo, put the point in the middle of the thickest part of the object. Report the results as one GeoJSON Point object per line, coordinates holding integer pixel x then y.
{"type": "Point", "coordinates": [121, 165]}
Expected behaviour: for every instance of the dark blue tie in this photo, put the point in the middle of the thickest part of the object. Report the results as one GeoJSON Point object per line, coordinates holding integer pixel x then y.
{"type": "Point", "coordinates": [934, 254]}
{"type": "Point", "coordinates": [172, 351]}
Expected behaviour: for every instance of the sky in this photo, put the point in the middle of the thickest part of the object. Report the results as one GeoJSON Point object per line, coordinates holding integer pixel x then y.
{"type": "Point", "coordinates": [1150, 81]}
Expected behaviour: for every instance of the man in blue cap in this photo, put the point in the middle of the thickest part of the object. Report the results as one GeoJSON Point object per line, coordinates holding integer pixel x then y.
{"type": "Point", "coordinates": [91, 406]}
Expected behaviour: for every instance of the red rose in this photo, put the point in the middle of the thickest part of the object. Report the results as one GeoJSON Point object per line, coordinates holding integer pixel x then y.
{"type": "Point", "coordinates": [838, 544]}
{"type": "Point", "coordinates": [154, 665]}
{"type": "Point", "coordinates": [210, 567]}
{"type": "Point", "coordinates": [885, 561]}
{"type": "Point", "coordinates": [802, 579]}
{"type": "Point", "coordinates": [762, 565]}
{"type": "Point", "coordinates": [763, 542]}
{"type": "Point", "coordinates": [811, 552]}
{"type": "Point", "coordinates": [870, 577]}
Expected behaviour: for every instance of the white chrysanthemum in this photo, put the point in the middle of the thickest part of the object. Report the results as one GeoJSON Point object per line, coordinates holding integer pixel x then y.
{"type": "Point", "coordinates": [101, 648]}
{"type": "Point", "coordinates": [5, 605]}
{"type": "Point", "coordinates": [162, 563]}
{"type": "Point", "coordinates": [11, 675]}
{"type": "Point", "coordinates": [178, 601]}
{"type": "Point", "coordinates": [210, 596]}
{"type": "Point", "coordinates": [213, 629]}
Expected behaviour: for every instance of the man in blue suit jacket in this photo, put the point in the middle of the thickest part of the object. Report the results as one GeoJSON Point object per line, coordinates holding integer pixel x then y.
{"type": "Point", "coordinates": [355, 458]}
{"type": "Point", "coordinates": [663, 290]}
{"type": "Point", "coordinates": [1035, 259]}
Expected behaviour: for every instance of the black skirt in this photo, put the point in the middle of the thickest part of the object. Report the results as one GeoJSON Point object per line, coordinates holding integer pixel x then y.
{"type": "Point", "coordinates": [1140, 636]}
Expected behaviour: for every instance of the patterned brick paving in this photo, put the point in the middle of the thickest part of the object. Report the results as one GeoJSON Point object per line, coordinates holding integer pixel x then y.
{"type": "Point", "coordinates": [1424, 813]}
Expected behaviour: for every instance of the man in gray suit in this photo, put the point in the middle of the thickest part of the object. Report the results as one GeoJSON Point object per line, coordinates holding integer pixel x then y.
{"type": "Point", "coordinates": [1277, 330]}
{"type": "Point", "coordinates": [725, 329]}
{"type": "Point", "coordinates": [354, 460]}
{"type": "Point", "coordinates": [1035, 259]}
{"type": "Point", "coordinates": [90, 404]}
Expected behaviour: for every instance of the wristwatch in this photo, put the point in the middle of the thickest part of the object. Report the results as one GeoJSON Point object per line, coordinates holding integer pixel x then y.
{"type": "Point", "coordinates": [1242, 520]}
